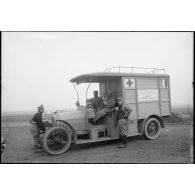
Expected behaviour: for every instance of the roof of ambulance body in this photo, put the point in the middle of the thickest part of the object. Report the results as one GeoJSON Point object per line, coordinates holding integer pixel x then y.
{"type": "Point", "coordinates": [99, 77]}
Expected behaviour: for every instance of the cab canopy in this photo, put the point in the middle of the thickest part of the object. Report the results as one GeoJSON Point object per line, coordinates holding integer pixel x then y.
{"type": "Point", "coordinates": [100, 77]}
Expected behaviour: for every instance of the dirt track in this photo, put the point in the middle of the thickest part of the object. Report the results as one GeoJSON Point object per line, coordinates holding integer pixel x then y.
{"type": "Point", "coordinates": [173, 146]}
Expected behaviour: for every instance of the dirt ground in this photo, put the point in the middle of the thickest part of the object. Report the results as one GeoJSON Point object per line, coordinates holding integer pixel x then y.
{"type": "Point", "coordinates": [175, 145]}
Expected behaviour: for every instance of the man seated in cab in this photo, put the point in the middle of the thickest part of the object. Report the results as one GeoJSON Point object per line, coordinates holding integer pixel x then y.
{"type": "Point", "coordinates": [97, 102]}
{"type": "Point", "coordinates": [109, 102]}
{"type": "Point", "coordinates": [122, 113]}
{"type": "Point", "coordinates": [107, 107]}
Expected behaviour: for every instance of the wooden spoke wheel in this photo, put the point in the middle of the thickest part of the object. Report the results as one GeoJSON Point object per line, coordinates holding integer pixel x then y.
{"type": "Point", "coordinates": [152, 128]}
{"type": "Point", "coordinates": [57, 140]}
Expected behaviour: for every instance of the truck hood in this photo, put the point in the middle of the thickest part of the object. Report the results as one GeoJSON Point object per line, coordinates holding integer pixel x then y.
{"type": "Point", "coordinates": [76, 114]}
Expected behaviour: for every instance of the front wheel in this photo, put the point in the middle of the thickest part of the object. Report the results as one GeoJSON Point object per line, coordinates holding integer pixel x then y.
{"type": "Point", "coordinates": [152, 128]}
{"type": "Point", "coordinates": [57, 140]}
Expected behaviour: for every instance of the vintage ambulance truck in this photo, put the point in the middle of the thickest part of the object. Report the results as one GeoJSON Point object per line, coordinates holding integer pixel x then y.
{"type": "Point", "coordinates": [147, 94]}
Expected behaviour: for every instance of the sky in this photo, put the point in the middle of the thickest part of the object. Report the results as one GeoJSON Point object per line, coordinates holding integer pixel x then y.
{"type": "Point", "coordinates": [37, 66]}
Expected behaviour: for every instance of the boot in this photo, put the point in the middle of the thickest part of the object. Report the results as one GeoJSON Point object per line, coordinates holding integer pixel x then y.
{"type": "Point", "coordinates": [123, 146]}
{"type": "Point", "coordinates": [37, 149]}
{"type": "Point", "coordinates": [123, 140]}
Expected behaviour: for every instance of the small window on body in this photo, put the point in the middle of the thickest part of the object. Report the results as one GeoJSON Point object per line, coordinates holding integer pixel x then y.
{"type": "Point", "coordinates": [164, 83]}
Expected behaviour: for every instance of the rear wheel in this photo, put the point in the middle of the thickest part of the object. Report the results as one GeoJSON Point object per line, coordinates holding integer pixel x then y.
{"type": "Point", "coordinates": [57, 140]}
{"type": "Point", "coordinates": [152, 128]}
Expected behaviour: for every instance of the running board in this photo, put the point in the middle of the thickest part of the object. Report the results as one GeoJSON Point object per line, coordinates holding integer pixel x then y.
{"type": "Point", "coordinates": [82, 141]}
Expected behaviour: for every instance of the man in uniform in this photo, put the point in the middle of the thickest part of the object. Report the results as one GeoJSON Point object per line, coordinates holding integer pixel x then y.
{"type": "Point", "coordinates": [36, 125]}
{"type": "Point", "coordinates": [122, 114]}
{"type": "Point", "coordinates": [107, 106]}
{"type": "Point", "coordinates": [97, 102]}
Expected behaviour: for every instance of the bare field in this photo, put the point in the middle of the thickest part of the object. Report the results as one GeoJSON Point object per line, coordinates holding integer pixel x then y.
{"type": "Point", "coordinates": [173, 146]}
{"type": "Point", "coordinates": [10, 121]}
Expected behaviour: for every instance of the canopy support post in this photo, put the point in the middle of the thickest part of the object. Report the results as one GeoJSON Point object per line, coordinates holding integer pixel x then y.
{"type": "Point", "coordinates": [88, 88]}
{"type": "Point", "coordinates": [76, 92]}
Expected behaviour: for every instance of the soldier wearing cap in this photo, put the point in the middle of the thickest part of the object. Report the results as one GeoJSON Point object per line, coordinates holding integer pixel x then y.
{"type": "Point", "coordinates": [97, 102]}
{"type": "Point", "coordinates": [36, 126]}
{"type": "Point", "coordinates": [107, 106]}
{"type": "Point", "coordinates": [110, 101]}
{"type": "Point", "coordinates": [122, 113]}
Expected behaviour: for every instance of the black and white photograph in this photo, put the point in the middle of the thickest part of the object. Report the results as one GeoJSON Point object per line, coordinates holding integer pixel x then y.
{"type": "Point", "coordinates": [97, 97]}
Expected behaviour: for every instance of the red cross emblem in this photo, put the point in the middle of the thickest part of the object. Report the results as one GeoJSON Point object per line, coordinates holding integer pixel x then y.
{"type": "Point", "coordinates": [129, 83]}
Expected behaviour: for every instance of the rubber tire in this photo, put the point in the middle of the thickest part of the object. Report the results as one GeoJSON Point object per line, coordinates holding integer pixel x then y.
{"type": "Point", "coordinates": [63, 150]}
{"type": "Point", "coordinates": [145, 129]}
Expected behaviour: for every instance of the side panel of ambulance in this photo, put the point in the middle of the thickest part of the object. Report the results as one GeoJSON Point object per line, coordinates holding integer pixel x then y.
{"type": "Point", "coordinates": [149, 98]}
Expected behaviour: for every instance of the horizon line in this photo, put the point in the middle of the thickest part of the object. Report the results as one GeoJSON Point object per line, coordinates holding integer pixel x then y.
{"type": "Point", "coordinates": [52, 109]}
